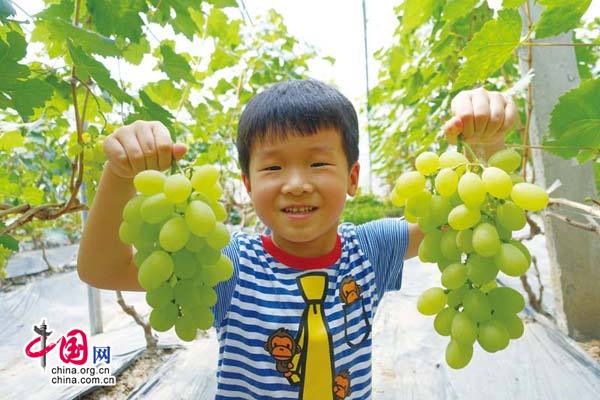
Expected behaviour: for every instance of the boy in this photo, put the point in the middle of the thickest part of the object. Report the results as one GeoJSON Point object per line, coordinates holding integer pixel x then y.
{"type": "Point", "coordinates": [294, 322]}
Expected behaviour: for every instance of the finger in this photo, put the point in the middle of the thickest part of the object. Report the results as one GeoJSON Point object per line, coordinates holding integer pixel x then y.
{"type": "Point", "coordinates": [115, 153]}
{"type": "Point", "coordinates": [481, 111]}
{"type": "Point", "coordinates": [134, 152]}
{"type": "Point", "coordinates": [145, 137]}
{"type": "Point", "coordinates": [452, 129]}
{"type": "Point", "coordinates": [510, 115]}
{"type": "Point", "coordinates": [163, 145]}
{"type": "Point", "coordinates": [462, 107]}
{"type": "Point", "coordinates": [126, 173]}
{"type": "Point", "coordinates": [497, 107]}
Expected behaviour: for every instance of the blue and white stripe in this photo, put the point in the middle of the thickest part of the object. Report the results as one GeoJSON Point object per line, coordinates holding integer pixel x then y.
{"type": "Point", "coordinates": [263, 296]}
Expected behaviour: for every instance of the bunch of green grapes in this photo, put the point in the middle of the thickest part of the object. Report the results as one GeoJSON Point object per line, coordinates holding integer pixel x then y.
{"type": "Point", "coordinates": [468, 212]}
{"type": "Point", "coordinates": [176, 226]}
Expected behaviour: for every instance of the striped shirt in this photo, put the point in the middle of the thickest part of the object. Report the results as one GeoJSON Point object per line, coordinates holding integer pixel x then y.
{"type": "Point", "coordinates": [300, 328]}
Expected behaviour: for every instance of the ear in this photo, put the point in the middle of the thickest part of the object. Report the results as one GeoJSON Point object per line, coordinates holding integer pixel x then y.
{"type": "Point", "coordinates": [246, 181]}
{"type": "Point", "coordinates": [353, 179]}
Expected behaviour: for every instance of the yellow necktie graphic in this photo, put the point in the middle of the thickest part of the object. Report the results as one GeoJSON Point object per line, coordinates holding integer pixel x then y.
{"type": "Point", "coordinates": [314, 364]}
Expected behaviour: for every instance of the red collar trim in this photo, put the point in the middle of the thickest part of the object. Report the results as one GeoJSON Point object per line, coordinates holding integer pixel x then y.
{"type": "Point", "coordinates": [302, 263]}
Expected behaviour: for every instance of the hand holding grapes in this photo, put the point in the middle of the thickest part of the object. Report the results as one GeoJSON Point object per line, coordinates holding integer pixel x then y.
{"type": "Point", "coordinates": [481, 116]}
{"type": "Point", "coordinates": [140, 146]}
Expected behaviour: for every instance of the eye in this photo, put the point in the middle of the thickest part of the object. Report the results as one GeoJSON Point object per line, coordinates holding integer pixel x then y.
{"type": "Point", "coordinates": [320, 163]}
{"type": "Point", "coordinates": [271, 168]}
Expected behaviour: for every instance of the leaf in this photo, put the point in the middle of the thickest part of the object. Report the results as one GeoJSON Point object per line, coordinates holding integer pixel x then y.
{"type": "Point", "coordinates": [174, 65]}
{"type": "Point", "coordinates": [456, 9]}
{"type": "Point", "coordinates": [12, 51]}
{"type": "Point", "coordinates": [118, 18]}
{"type": "Point", "coordinates": [164, 92]}
{"type": "Point", "coordinates": [575, 119]}
{"type": "Point", "coordinates": [86, 65]}
{"type": "Point", "coordinates": [10, 140]}
{"type": "Point", "coordinates": [221, 59]}
{"type": "Point", "coordinates": [416, 13]}
{"type": "Point", "coordinates": [9, 242]}
{"type": "Point", "coordinates": [223, 3]}
{"type": "Point", "coordinates": [155, 111]}
{"type": "Point", "coordinates": [134, 52]}
{"type": "Point", "coordinates": [560, 16]}
{"type": "Point", "coordinates": [490, 48]}
{"type": "Point", "coordinates": [512, 3]}
{"type": "Point", "coordinates": [6, 10]}
{"type": "Point", "coordinates": [27, 95]}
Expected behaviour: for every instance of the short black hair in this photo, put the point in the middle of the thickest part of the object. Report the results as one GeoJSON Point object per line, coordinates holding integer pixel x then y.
{"type": "Point", "coordinates": [299, 107]}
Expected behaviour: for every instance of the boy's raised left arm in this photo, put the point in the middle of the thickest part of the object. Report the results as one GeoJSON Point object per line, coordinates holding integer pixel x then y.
{"type": "Point", "coordinates": [483, 118]}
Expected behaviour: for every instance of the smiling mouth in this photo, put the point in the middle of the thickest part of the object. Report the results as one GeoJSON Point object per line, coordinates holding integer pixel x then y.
{"type": "Point", "coordinates": [299, 211]}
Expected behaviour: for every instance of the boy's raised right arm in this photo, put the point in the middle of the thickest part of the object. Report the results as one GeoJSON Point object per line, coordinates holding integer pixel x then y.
{"type": "Point", "coordinates": [103, 260]}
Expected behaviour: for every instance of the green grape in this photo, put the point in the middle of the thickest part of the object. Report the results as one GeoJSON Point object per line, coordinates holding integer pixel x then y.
{"type": "Point", "coordinates": [451, 159]}
{"type": "Point", "coordinates": [506, 300]}
{"type": "Point", "coordinates": [214, 192]}
{"type": "Point", "coordinates": [208, 256]}
{"type": "Point", "coordinates": [156, 208]}
{"type": "Point", "coordinates": [184, 264]}
{"type": "Point", "coordinates": [224, 267]}
{"type": "Point", "coordinates": [446, 182]}
{"type": "Point", "coordinates": [455, 296]}
{"type": "Point", "coordinates": [396, 199]}
{"type": "Point", "coordinates": [204, 176]}
{"type": "Point", "coordinates": [219, 237]}
{"type": "Point", "coordinates": [200, 218]}
{"type": "Point", "coordinates": [511, 216]}
{"type": "Point", "coordinates": [208, 296]}
{"type": "Point", "coordinates": [442, 263]}
{"type": "Point", "coordinates": [186, 293]}
{"type": "Point", "coordinates": [497, 182]}
{"type": "Point", "coordinates": [439, 209]}
{"type": "Point", "coordinates": [149, 182]}
{"type": "Point", "coordinates": [426, 223]}
{"type": "Point", "coordinates": [129, 232]}
{"type": "Point", "coordinates": [155, 269]}
{"type": "Point", "coordinates": [454, 276]}
{"type": "Point", "coordinates": [443, 321]}
{"type": "Point", "coordinates": [431, 301]}
{"type": "Point", "coordinates": [481, 270]}
{"type": "Point", "coordinates": [409, 217]}
{"type": "Point", "coordinates": [493, 336]}
{"type": "Point", "coordinates": [458, 355]}
{"type": "Point", "coordinates": [471, 190]}
{"type": "Point", "coordinates": [455, 199]}
{"type": "Point", "coordinates": [163, 318]}
{"type": "Point", "coordinates": [208, 275]}
{"type": "Point", "coordinates": [516, 178]}
{"type": "Point", "coordinates": [511, 260]}
{"type": "Point", "coordinates": [427, 163]}
{"type": "Point", "coordinates": [177, 188]}
{"type": "Point", "coordinates": [195, 243]}
{"type": "Point", "coordinates": [141, 245]}
{"type": "Point", "coordinates": [160, 296]}
{"type": "Point", "coordinates": [219, 210]}
{"type": "Point", "coordinates": [202, 316]}
{"type": "Point", "coordinates": [140, 256]}
{"type": "Point", "coordinates": [448, 245]}
{"type": "Point", "coordinates": [131, 211]}
{"type": "Point", "coordinates": [418, 203]}
{"type": "Point", "coordinates": [410, 183]}
{"type": "Point", "coordinates": [512, 323]}
{"type": "Point", "coordinates": [430, 247]}
{"type": "Point", "coordinates": [174, 234]}
{"type": "Point", "coordinates": [477, 306]}
{"type": "Point", "coordinates": [185, 328]}
{"type": "Point", "coordinates": [523, 249]}
{"type": "Point", "coordinates": [461, 217]}
{"type": "Point", "coordinates": [504, 234]}
{"type": "Point", "coordinates": [486, 287]}
{"type": "Point", "coordinates": [463, 329]}
{"type": "Point", "coordinates": [486, 241]}
{"type": "Point", "coordinates": [464, 240]}
{"type": "Point", "coordinates": [529, 197]}
{"type": "Point", "coordinates": [148, 236]}
{"type": "Point", "coordinates": [507, 160]}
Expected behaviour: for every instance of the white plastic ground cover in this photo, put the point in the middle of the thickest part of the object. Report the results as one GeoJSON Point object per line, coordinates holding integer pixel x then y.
{"type": "Point", "coordinates": [32, 262]}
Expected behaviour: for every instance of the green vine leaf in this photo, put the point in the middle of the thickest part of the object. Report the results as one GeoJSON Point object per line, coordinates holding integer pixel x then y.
{"type": "Point", "coordinates": [456, 9]}
{"type": "Point", "coordinates": [575, 121]}
{"type": "Point", "coordinates": [121, 19]}
{"type": "Point", "coordinates": [9, 242]}
{"type": "Point", "coordinates": [490, 48]}
{"type": "Point", "coordinates": [416, 13]}
{"type": "Point", "coordinates": [6, 10]}
{"type": "Point", "coordinates": [88, 66]}
{"type": "Point", "coordinates": [174, 65]}
{"type": "Point", "coordinates": [560, 16]}
{"type": "Point", "coordinates": [512, 3]}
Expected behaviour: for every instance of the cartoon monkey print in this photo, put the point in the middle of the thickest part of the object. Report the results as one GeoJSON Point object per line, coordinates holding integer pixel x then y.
{"type": "Point", "coordinates": [349, 290]}
{"type": "Point", "coordinates": [282, 347]}
{"type": "Point", "coordinates": [341, 385]}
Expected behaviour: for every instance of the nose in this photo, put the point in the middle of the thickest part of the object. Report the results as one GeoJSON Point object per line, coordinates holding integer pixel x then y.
{"type": "Point", "coordinates": [296, 183]}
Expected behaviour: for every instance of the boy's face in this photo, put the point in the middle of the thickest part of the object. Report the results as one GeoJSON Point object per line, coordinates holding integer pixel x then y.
{"type": "Point", "coordinates": [302, 171]}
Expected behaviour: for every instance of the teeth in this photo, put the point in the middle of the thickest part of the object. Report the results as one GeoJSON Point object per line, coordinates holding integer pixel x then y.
{"type": "Point", "coordinates": [299, 210]}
